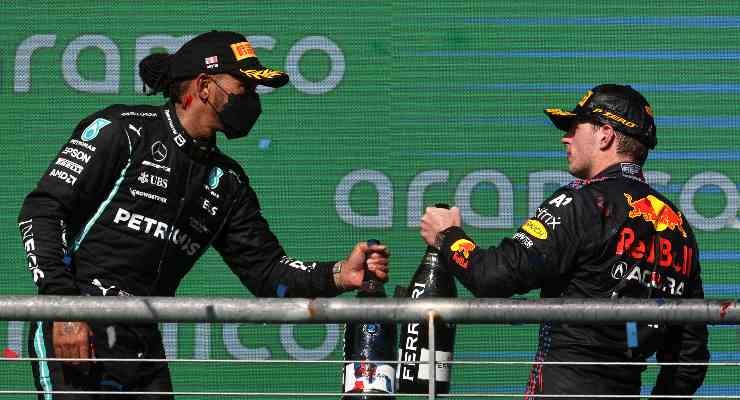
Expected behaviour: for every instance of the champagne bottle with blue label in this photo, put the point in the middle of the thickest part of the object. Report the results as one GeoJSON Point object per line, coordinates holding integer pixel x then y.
{"type": "Point", "coordinates": [430, 280]}
{"type": "Point", "coordinates": [366, 343]}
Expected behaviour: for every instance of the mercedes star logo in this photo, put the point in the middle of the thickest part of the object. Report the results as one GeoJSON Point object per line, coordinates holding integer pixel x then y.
{"type": "Point", "coordinates": [159, 151]}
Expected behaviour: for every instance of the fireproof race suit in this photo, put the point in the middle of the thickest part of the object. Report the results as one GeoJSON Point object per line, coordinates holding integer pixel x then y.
{"type": "Point", "coordinates": [607, 237]}
{"type": "Point", "coordinates": [127, 207]}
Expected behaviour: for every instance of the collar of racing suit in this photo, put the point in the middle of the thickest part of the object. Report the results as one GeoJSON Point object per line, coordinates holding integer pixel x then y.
{"type": "Point", "coordinates": [197, 149]}
{"type": "Point", "coordinates": [624, 169]}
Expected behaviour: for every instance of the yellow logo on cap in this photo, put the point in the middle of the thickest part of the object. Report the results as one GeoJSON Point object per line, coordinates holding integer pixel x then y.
{"type": "Point", "coordinates": [585, 98]}
{"type": "Point", "coordinates": [260, 74]}
{"type": "Point", "coordinates": [614, 117]}
{"type": "Point", "coordinates": [559, 112]}
{"type": "Point", "coordinates": [242, 50]}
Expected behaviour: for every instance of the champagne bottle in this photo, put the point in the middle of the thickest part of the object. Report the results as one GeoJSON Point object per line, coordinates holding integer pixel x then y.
{"type": "Point", "coordinates": [430, 280]}
{"type": "Point", "coordinates": [368, 342]}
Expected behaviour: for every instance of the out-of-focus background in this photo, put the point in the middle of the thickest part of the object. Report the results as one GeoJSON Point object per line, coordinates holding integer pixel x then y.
{"type": "Point", "coordinates": [392, 106]}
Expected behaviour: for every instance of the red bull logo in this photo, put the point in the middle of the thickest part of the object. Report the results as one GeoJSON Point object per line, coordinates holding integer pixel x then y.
{"type": "Point", "coordinates": [653, 210]}
{"type": "Point", "coordinates": [461, 252]}
{"type": "Point", "coordinates": [663, 252]}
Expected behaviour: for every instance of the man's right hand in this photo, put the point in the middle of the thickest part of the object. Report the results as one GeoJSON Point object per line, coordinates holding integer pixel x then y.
{"type": "Point", "coordinates": [436, 220]}
{"type": "Point", "coordinates": [362, 259]}
{"type": "Point", "coordinates": [71, 340]}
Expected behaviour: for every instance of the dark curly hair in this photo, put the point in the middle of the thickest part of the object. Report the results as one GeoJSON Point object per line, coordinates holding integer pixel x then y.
{"type": "Point", "coordinates": [154, 71]}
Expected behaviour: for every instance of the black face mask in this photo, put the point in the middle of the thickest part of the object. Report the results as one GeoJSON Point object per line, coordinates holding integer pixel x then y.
{"type": "Point", "coordinates": [239, 113]}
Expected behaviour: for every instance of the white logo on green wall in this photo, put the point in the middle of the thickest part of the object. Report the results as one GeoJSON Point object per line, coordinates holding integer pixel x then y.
{"type": "Point", "coordinates": [92, 130]}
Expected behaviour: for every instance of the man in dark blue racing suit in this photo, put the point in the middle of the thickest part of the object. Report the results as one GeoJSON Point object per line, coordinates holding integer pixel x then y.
{"type": "Point", "coordinates": [607, 234]}
{"type": "Point", "coordinates": [137, 195]}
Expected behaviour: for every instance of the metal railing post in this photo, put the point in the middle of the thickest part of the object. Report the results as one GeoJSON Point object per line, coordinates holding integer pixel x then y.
{"type": "Point", "coordinates": [432, 358]}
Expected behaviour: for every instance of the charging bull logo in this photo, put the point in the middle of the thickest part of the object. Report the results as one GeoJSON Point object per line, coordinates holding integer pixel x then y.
{"type": "Point", "coordinates": [653, 210]}
{"type": "Point", "coordinates": [461, 250]}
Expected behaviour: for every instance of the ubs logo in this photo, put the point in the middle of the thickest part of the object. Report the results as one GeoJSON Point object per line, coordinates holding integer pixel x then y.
{"type": "Point", "coordinates": [159, 151]}
{"type": "Point", "coordinates": [153, 180]}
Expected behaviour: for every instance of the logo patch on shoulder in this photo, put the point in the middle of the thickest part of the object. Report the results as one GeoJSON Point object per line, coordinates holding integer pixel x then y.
{"type": "Point", "coordinates": [92, 130]}
{"type": "Point", "coordinates": [535, 228]}
{"type": "Point", "coordinates": [655, 211]}
{"type": "Point", "coordinates": [561, 200]}
{"type": "Point", "coordinates": [214, 178]}
{"type": "Point", "coordinates": [461, 250]}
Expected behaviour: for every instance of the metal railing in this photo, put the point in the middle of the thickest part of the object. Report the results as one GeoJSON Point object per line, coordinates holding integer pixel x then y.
{"type": "Point", "coordinates": [328, 310]}
{"type": "Point", "coordinates": [322, 310]}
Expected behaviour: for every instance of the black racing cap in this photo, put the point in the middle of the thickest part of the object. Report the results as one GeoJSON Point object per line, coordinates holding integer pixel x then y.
{"type": "Point", "coordinates": [218, 52]}
{"type": "Point", "coordinates": [620, 106]}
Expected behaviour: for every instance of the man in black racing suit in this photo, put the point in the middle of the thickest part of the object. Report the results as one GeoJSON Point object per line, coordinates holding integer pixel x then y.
{"type": "Point", "coordinates": [605, 235]}
{"type": "Point", "coordinates": [138, 194]}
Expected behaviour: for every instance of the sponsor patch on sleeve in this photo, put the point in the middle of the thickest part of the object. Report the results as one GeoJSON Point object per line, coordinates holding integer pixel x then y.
{"type": "Point", "coordinates": [92, 130]}
{"type": "Point", "coordinates": [461, 250]}
{"type": "Point", "coordinates": [561, 200]}
{"type": "Point", "coordinates": [523, 239]}
{"type": "Point", "coordinates": [535, 228]}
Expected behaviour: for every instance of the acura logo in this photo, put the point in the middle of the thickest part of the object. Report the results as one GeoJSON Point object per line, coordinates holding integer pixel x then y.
{"type": "Point", "coordinates": [159, 151]}
{"type": "Point", "coordinates": [619, 270]}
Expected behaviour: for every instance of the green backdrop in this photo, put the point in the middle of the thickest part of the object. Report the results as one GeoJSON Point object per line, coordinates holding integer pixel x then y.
{"type": "Point", "coordinates": [391, 106]}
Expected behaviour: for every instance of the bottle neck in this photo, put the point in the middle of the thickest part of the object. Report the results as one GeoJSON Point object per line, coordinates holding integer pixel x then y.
{"type": "Point", "coordinates": [371, 287]}
{"type": "Point", "coordinates": [431, 256]}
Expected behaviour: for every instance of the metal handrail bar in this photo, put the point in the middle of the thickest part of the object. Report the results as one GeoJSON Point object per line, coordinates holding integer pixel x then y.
{"type": "Point", "coordinates": [456, 362]}
{"type": "Point", "coordinates": [379, 395]}
{"type": "Point", "coordinates": [220, 394]}
{"type": "Point", "coordinates": [326, 310]}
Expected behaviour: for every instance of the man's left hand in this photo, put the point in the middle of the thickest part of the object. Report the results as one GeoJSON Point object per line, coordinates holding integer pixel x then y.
{"type": "Point", "coordinates": [364, 258]}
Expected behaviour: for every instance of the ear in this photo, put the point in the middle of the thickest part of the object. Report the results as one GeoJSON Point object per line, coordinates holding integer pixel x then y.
{"type": "Point", "coordinates": [200, 84]}
{"type": "Point", "coordinates": [607, 137]}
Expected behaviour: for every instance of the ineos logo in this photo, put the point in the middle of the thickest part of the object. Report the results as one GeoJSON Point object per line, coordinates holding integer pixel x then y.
{"type": "Point", "coordinates": [619, 270]}
{"type": "Point", "coordinates": [159, 151]}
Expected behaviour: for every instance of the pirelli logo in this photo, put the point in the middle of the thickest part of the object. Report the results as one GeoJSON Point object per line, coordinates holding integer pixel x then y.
{"type": "Point", "coordinates": [242, 50]}
{"type": "Point", "coordinates": [614, 117]}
